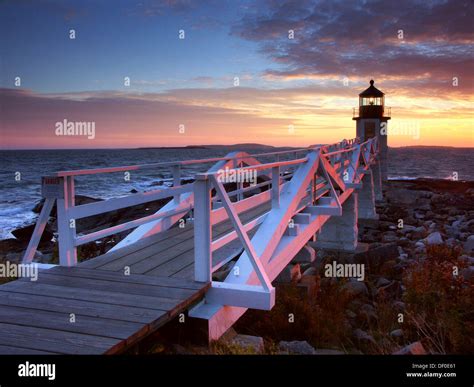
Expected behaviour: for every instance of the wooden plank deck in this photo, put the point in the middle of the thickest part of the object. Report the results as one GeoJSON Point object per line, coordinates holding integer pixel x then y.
{"type": "Point", "coordinates": [112, 310]}
{"type": "Point", "coordinates": [170, 253]}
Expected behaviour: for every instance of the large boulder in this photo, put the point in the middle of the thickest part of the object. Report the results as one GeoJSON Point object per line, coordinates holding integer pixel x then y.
{"type": "Point", "coordinates": [415, 348]}
{"type": "Point", "coordinates": [392, 290]}
{"type": "Point", "coordinates": [13, 257]}
{"type": "Point", "coordinates": [23, 235]}
{"type": "Point", "coordinates": [297, 347]}
{"type": "Point", "coordinates": [310, 271]}
{"type": "Point", "coordinates": [396, 333]}
{"type": "Point", "coordinates": [434, 238]}
{"type": "Point", "coordinates": [402, 196]}
{"type": "Point", "coordinates": [468, 273]}
{"type": "Point", "coordinates": [306, 255]}
{"type": "Point", "coordinates": [363, 336]}
{"type": "Point", "coordinates": [356, 288]}
{"type": "Point", "coordinates": [367, 313]}
{"type": "Point", "coordinates": [389, 236]}
{"type": "Point", "coordinates": [418, 233]}
{"type": "Point", "coordinates": [11, 245]}
{"type": "Point", "coordinates": [407, 228]}
{"type": "Point", "coordinates": [378, 255]}
{"type": "Point", "coordinates": [252, 343]}
{"type": "Point", "coordinates": [381, 281]}
{"type": "Point", "coordinates": [291, 273]}
{"type": "Point", "coordinates": [469, 244]}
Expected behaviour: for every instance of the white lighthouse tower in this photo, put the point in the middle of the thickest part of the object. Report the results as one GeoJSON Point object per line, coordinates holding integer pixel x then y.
{"type": "Point", "coordinates": [371, 121]}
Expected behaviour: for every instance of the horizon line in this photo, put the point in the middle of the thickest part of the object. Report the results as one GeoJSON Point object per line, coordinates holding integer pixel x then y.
{"type": "Point", "coordinates": [217, 145]}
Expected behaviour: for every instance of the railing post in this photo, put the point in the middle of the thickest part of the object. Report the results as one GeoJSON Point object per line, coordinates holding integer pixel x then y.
{"type": "Point", "coordinates": [239, 184]}
{"type": "Point", "coordinates": [177, 180]}
{"type": "Point", "coordinates": [66, 226]}
{"type": "Point", "coordinates": [275, 187]}
{"type": "Point", "coordinates": [202, 229]}
{"type": "Point", "coordinates": [344, 172]}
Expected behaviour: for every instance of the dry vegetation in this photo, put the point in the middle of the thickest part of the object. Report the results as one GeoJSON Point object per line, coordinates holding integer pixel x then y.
{"type": "Point", "coordinates": [439, 304]}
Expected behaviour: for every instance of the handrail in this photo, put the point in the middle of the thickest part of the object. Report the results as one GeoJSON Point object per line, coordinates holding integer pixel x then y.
{"type": "Point", "coordinates": [127, 226]}
{"type": "Point", "coordinates": [95, 171]}
{"type": "Point", "coordinates": [85, 210]}
{"type": "Point", "coordinates": [345, 171]}
{"type": "Point", "coordinates": [262, 167]}
{"type": "Point", "coordinates": [184, 194]}
{"type": "Point", "coordinates": [346, 150]}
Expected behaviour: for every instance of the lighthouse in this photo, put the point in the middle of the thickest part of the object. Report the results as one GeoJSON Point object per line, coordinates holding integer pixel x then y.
{"type": "Point", "coordinates": [371, 121]}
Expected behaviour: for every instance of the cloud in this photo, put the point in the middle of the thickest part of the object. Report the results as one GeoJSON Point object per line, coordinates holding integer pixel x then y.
{"type": "Point", "coordinates": [320, 114]}
{"type": "Point", "coordinates": [361, 40]}
{"type": "Point", "coordinates": [123, 120]}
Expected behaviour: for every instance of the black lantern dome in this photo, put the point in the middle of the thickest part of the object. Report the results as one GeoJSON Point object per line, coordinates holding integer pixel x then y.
{"type": "Point", "coordinates": [371, 103]}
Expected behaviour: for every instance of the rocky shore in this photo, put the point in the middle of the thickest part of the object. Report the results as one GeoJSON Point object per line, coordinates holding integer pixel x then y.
{"type": "Point", "coordinates": [418, 290]}
{"type": "Point", "coordinates": [416, 295]}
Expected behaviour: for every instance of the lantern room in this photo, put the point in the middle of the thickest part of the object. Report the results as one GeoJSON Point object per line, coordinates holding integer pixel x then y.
{"type": "Point", "coordinates": [372, 119]}
{"type": "Point", "coordinates": [371, 103]}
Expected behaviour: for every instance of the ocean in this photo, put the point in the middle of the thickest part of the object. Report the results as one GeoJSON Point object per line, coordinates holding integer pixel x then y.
{"type": "Point", "coordinates": [18, 196]}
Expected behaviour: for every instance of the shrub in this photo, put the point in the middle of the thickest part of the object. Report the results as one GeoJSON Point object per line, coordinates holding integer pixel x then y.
{"type": "Point", "coordinates": [439, 303]}
{"type": "Point", "coordinates": [321, 320]}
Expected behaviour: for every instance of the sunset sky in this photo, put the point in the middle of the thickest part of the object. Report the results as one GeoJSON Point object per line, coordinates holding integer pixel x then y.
{"type": "Point", "coordinates": [291, 92]}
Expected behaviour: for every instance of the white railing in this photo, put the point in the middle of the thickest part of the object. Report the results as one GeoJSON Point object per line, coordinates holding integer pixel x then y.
{"type": "Point", "coordinates": [320, 181]}
{"type": "Point", "coordinates": [59, 188]}
{"type": "Point", "coordinates": [297, 193]}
